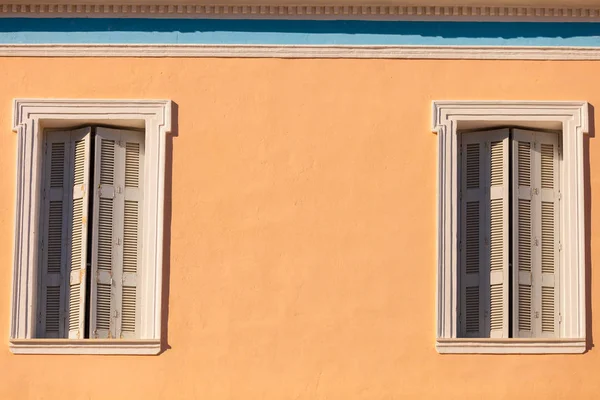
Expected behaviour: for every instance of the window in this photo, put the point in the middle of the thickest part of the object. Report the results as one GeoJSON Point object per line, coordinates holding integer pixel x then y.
{"type": "Point", "coordinates": [91, 213]}
{"type": "Point", "coordinates": [511, 265]}
{"type": "Point", "coordinates": [88, 244]}
{"type": "Point", "coordinates": [504, 260]}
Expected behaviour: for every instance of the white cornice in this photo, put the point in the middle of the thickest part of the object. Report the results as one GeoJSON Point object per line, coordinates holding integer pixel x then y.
{"type": "Point", "coordinates": [315, 11]}
{"type": "Point", "coordinates": [298, 51]}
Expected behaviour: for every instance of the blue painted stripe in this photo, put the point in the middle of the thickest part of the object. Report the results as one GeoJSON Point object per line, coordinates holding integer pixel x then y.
{"type": "Point", "coordinates": [278, 32]}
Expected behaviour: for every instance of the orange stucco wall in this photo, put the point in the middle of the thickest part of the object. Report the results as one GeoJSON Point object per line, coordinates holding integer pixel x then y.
{"type": "Point", "coordinates": [301, 254]}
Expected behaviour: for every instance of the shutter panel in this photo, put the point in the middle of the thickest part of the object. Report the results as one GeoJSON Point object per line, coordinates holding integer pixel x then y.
{"type": "Point", "coordinates": [80, 144]}
{"type": "Point", "coordinates": [116, 236]}
{"type": "Point", "coordinates": [484, 244]}
{"type": "Point", "coordinates": [54, 240]}
{"type": "Point", "coordinates": [535, 255]}
{"type": "Point", "coordinates": [498, 142]}
{"type": "Point", "coordinates": [130, 307]}
{"type": "Point", "coordinates": [523, 232]}
{"type": "Point", "coordinates": [472, 200]}
{"type": "Point", "coordinates": [64, 234]}
{"type": "Point", "coordinates": [549, 232]}
{"type": "Point", "coordinates": [103, 241]}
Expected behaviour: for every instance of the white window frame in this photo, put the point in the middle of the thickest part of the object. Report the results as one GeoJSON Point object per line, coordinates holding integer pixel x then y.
{"type": "Point", "coordinates": [449, 117]}
{"type": "Point", "coordinates": [30, 118]}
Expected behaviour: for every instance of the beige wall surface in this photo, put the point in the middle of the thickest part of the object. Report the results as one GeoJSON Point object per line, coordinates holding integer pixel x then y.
{"type": "Point", "coordinates": [301, 230]}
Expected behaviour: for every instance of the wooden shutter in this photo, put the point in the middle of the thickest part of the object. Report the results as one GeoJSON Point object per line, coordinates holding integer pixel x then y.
{"type": "Point", "coordinates": [64, 242]}
{"type": "Point", "coordinates": [484, 234]}
{"type": "Point", "coordinates": [115, 308]}
{"type": "Point", "coordinates": [472, 217]}
{"type": "Point", "coordinates": [133, 145]}
{"type": "Point", "coordinates": [80, 143]}
{"type": "Point", "coordinates": [536, 226]}
{"type": "Point", "coordinates": [523, 186]}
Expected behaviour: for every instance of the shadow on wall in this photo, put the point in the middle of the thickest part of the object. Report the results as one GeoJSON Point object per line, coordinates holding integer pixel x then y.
{"type": "Point", "coordinates": [168, 211]}
{"type": "Point", "coordinates": [588, 228]}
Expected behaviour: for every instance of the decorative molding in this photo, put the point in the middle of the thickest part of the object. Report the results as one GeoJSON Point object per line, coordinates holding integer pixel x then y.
{"type": "Point", "coordinates": [86, 346]}
{"type": "Point", "coordinates": [341, 11]}
{"type": "Point", "coordinates": [448, 117]}
{"type": "Point", "coordinates": [30, 117]}
{"type": "Point", "coordinates": [301, 51]}
{"type": "Point", "coordinates": [510, 346]}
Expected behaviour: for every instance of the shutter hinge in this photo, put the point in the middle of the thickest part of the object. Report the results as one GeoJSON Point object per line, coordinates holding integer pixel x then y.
{"type": "Point", "coordinates": [559, 318]}
{"type": "Point", "coordinates": [44, 195]}
{"type": "Point", "coordinates": [559, 195]}
{"type": "Point", "coordinates": [559, 246]}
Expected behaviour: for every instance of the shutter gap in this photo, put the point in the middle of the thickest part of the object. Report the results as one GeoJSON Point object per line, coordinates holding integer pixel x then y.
{"type": "Point", "coordinates": [92, 184]}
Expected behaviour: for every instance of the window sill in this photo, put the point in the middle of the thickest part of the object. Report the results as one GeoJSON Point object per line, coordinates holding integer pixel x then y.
{"type": "Point", "coordinates": [87, 346]}
{"type": "Point", "coordinates": [510, 346]}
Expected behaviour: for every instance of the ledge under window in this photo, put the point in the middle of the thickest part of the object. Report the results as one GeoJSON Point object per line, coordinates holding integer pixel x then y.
{"type": "Point", "coordinates": [86, 346]}
{"type": "Point", "coordinates": [510, 346]}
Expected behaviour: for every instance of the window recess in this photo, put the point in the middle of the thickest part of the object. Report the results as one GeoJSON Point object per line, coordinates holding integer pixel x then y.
{"type": "Point", "coordinates": [91, 242]}
{"type": "Point", "coordinates": [509, 266]}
